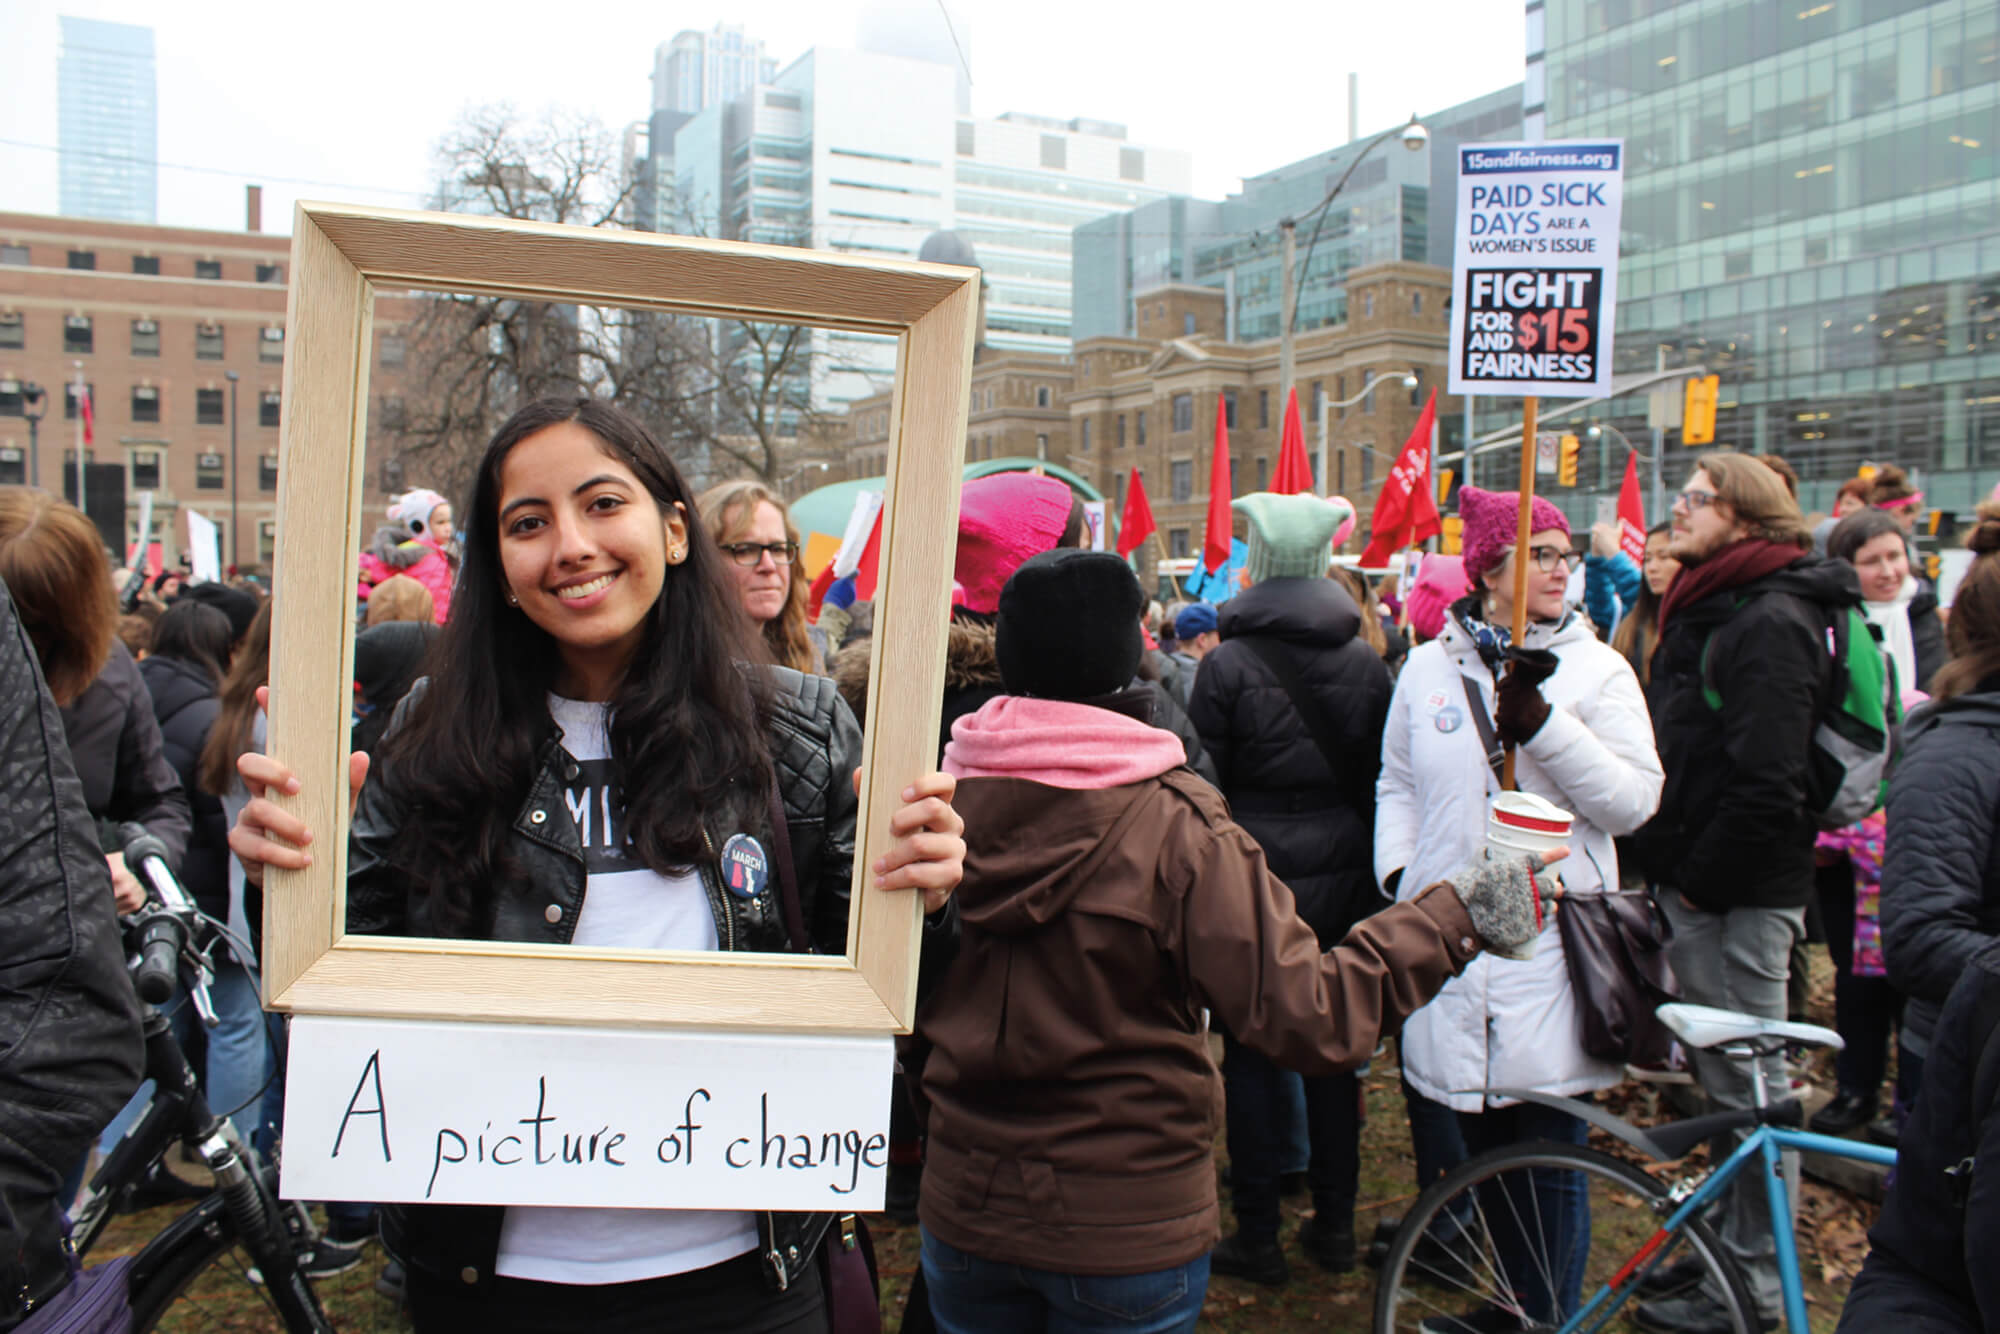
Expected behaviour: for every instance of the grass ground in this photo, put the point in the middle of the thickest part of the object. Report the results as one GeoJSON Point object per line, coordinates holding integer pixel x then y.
{"type": "Point", "coordinates": [1831, 1230]}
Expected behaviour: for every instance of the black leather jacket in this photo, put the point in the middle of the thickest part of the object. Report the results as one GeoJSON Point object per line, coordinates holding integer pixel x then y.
{"type": "Point", "coordinates": [69, 1024]}
{"type": "Point", "coordinates": [815, 747]}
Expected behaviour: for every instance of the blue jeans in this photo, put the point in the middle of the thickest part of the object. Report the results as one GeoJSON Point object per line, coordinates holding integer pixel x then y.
{"type": "Point", "coordinates": [974, 1296]}
{"type": "Point", "coordinates": [1560, 1208]}
{"type": "Point", "coordinates": [1255, 1092]}
{"type": "Point", "coordinates": [1294, 1142]}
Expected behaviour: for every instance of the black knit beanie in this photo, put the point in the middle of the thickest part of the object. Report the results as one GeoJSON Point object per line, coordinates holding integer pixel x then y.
{"type": "Point", "coordinates": [1068, 625]}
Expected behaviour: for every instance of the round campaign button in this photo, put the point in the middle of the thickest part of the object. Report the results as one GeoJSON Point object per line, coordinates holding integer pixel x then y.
{"type": "Point", "coordinates": [745, 868]}
{"type": "Point", "coordinates": [1450, 719]}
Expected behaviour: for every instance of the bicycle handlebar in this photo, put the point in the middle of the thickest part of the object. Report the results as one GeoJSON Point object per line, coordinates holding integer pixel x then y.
{"type": "Point", "coordinates": [163, 926]}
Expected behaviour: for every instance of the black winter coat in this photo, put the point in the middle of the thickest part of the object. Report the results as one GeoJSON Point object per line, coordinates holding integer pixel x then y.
{"type": "Point", "coordinates": [114, 742]}
{"type": "Point", "coordinates": [70, 1053]}
{"type": "Point", "coordinates": [815, 748]}
{"type": "Point", "coordinates": [1941, 866]}
{"type": "Point", "coordinates": [1931, 1268]}
{"type": "Point", "coordinates": [1732, 830]}
{"type": "Point", "coordinates": [1926, 637]}
{"type": "Point", "coordinates": [1315, 824]}
{"type": "Point", "coordinates": [185, 705]}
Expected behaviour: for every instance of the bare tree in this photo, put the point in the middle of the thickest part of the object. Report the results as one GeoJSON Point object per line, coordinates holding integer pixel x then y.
{"type": "Point", "coordinates": [729, 397]}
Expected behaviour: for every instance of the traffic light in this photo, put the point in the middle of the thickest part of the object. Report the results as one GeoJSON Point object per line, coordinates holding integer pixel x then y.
{"type": "Point", "coordinates": [1698, 411]}
{"type": "Point", "coordinates": [1445, 476]}
{"type": "Point", "coordinates": [1566, 461]}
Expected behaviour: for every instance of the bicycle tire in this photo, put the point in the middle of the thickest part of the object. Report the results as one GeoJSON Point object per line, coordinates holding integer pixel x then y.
{"type": "Point", "coordinates": [1469, 1274]}
{"type": "Point", "coordinates": [171, 1264]}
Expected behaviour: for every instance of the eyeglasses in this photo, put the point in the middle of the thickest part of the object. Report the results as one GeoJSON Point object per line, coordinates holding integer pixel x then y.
{"type": "Point", "coordinates": [1547, 558]}
{"type": "Point", "coordinates": [1696, 500]}
{"type": "Point", "coordinates": [753, 553]}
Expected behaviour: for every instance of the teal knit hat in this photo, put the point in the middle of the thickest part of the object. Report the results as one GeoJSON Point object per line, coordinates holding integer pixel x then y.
{"type": "Point", "coordinates": [1290, 536]}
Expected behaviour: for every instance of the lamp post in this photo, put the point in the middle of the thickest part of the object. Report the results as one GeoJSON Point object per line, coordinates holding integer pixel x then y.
{"type": "Point", "coordinates": [1326, 406]}
{"type": "Point", "coordinates": [808, 465]}
{"type": "Point", "coordinates": [1414, 137]}
{"type": "Point", "coordinates": [34, 406]}
{"type": "Point", "coordinates": [232, 377]}
{"type": "Point", "coordinates": [1596, 431]}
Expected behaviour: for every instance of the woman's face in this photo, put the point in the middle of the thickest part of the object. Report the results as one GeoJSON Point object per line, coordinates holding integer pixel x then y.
{"type": "Point", "coordinates": [765, 585]}
{"type": "Point", "coordinates": [440, 524]}
{"type": "Point", "coordinates": [1546, 588]}
{"type": "Point", "coordinates": [1883, 563]}
{"type": "Point", "coordinates": [1846, 504]}
{"type": "Point", "coordinates": [1660, 567]}
{"type": "Point", "coordinates": [584, 550]}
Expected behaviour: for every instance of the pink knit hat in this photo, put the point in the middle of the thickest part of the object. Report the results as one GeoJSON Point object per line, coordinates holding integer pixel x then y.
{"type": "Point", "coordinates": [1002, 520]}
{"type": "Point", "coordinates": [1491, 519]}
{"type": "Point", "coordinates": [1440, 582]}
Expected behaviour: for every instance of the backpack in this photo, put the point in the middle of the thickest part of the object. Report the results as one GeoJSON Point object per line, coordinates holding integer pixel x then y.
{"type": "Point", "coordinates": [1854, 722]}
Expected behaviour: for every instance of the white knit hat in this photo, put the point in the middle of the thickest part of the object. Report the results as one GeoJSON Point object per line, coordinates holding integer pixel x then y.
{"type": "Point", "coordinates": [413, 509]}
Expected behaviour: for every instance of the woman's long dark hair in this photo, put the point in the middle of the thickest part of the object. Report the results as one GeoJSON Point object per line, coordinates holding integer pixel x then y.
{"type": "Point", "coordinates": [197, 634]}
{"type": "Point", "coordinates": [685, 718]}
{"type": "Point", "coordinates": [1640, 630]}
{"type": "Point", "coordinates": [234, 730]}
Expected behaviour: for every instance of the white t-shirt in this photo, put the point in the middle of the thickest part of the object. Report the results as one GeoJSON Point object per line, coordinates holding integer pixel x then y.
{"type": "Point", "coordinates": [631, 907]}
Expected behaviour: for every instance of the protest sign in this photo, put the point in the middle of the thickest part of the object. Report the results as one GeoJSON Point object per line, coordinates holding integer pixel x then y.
{"type": "Point", "coordinates": [1535, 268]}
{"type": "Point", "coordinates": [204, 548]}
{"type": "Point", "coordinates": [410, 1111]}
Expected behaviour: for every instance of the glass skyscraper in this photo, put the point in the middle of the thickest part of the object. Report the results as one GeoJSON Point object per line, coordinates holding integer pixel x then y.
{"type": "Point", "coordinates": [1812, 211]}
{"type": "Point", "coordinates": [107, 122]}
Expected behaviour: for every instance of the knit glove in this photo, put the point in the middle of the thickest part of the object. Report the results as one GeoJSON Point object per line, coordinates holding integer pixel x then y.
{"type": "Point", "coordinates": [1519, 709]}
{"type": "Point", "coordinates": [1503, 897]}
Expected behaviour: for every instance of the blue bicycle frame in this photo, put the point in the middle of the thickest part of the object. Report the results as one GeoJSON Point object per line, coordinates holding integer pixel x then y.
{"type": "Point", "coordinates": [1766, 1142]}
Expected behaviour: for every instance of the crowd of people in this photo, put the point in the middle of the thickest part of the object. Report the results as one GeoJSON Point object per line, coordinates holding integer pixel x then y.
{"type": "Point", "coordinates": [1262, 819]}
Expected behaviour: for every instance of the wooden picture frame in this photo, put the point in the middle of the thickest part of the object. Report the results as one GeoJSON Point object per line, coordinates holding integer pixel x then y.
{"type": "Point", "coordinates": [341, 255]}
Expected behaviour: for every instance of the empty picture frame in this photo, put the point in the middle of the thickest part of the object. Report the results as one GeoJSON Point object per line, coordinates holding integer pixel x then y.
{"type": "Point", "coordinates": [341, 255]}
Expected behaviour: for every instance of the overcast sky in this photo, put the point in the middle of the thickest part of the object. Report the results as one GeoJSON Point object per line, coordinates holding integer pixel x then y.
{"type": "Point", "coordinates": [344, 101]}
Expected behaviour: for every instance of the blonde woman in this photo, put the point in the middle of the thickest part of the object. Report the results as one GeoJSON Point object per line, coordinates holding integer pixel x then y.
{"type": "Point", "coordinates": [755, 532]}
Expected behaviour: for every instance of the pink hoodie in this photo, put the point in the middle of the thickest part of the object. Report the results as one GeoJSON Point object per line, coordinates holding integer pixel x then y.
{"type": "Point", "coordinates": [1059, 744]}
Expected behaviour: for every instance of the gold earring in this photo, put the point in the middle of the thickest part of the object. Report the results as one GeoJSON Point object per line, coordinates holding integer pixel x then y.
{"type": "Point", "coordinates": [677, 555]}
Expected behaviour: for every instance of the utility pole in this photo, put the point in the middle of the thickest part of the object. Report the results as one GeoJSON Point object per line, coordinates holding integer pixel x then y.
{"type": "Point", "coordinates": [231, 376]}
{"type": "Point", "coordinates": [1659, 441]}
{"type": "Point", "coordinates": [1288, 236]}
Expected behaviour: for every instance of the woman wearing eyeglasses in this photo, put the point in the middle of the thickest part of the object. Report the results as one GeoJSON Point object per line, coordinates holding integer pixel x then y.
{"type": "Point", "coordinates": [754, 530]}
{"type": "Point", "coordinates": [1573, 708]}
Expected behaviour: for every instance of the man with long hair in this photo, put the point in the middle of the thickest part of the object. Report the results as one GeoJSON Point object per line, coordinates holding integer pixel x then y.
{"type": "Point", "coordinates": [1745, 623]}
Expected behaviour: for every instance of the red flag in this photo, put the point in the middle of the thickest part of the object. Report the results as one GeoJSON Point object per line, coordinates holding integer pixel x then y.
{"type": "Point", "coordinates": [871, 556]}
{"type": "Point", "coordinates": [89, 420]}
{"type": "Point", "coordinates": [1215, 546]}
{"type": "Point", "coordinates": [1135, 525]}
{"type": "Point", "coordinates": [1632, 514]}
{"type": "Point", "coordinates": [816, 595]}
{"type": "Point", "coordinates": [1294, 473]}
{"type": "Point", "coordinates": [1406, 511]}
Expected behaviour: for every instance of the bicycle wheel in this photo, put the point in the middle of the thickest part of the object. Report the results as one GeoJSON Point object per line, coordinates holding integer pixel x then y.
{"type": "Point", "coordinates": [194, 1277]}
{"type": "Point", "coordinates": [1500, 1244]}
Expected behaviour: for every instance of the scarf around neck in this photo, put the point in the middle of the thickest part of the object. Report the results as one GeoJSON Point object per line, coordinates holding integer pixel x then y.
{"type": "Point", "coordinates": [1735, 565]}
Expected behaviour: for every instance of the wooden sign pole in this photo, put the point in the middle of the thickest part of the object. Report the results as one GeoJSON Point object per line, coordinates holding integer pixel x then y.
{"type": "Point", "coordinates": [1530, 407]}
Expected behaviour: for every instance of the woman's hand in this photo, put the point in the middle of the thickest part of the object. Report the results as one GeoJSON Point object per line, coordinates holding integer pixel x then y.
{"type": "Point", "coordinates": [1518, 707]}
{"type": "Point", "coordinates": [126, 890]}
{"type": "Point", "coordinates": [1504, 896]}
{"type": "Point", "coordinates": [929, 851]}
{"type": "Point", "coordinates": [265, 834]}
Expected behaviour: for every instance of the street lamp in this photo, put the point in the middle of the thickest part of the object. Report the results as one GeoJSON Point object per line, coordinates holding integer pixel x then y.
{"type": "Point", "coordinates": [34, 406]}
{"type": "Point", "coordinates": [232, 377]}
{"type": "Point", "coordinates": [1596, 431]}
{"type": "Point", "coordinates": [1325, 406]}
{"type": "Point", "coordinates": [1414, 137]}
{"type": "Point", "coordinates": [787, 479]}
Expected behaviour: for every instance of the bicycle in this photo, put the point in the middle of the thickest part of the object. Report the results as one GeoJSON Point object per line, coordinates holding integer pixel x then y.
{"type": "Point", "coordinates": [171, 941]}
{"type": "Point", "coordinates": [1475, 1253]}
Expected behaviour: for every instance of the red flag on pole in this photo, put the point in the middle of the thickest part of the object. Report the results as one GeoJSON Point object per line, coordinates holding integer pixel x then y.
{"type": "Point", "coordinates": [1135, 525]}
{"type": "Point", "coordinates": [89, 420]}
{"type": "Point", "coordinates": [1294, 473]}
{"type": "Point", "coordinates": [871, 557]}
{"type": "Point", "coordinates": [1632, 514]}
{"type": "Point", "coordinates": [1406, 512]}
{"type": "Point", "coordinates": [1215, 545]}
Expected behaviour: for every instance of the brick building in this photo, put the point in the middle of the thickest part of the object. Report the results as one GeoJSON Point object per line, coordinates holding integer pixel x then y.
{"type": "Point", "coordinates": [157, 318]}
{"type": "Point", "coordinates": [1018, 411]}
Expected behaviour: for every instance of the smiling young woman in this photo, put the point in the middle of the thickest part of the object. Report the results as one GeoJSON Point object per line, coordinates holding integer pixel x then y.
{"type": "Point", "coordinates": [597, 660]}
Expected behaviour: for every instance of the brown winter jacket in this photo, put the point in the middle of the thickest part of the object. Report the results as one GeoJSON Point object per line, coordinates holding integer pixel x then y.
{"type": "Point", "coordinates": [1073, 1097]}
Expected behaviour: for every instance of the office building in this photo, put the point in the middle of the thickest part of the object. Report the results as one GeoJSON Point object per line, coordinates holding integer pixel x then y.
{"type": "Point", "coordinates": [107, 122]}
{"type": "Point", "coordinates": [692, 71]}
{"type": "Point", "coordinates": [160, 318]}
{"type": "Point", "coordinates": [1812, 212]}
{"type": "Point", "coordinates": [1396, 205]}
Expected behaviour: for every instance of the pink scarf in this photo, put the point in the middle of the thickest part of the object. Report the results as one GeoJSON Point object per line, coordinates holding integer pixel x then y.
{"type": "Point", "coordinates": [1058, 743]}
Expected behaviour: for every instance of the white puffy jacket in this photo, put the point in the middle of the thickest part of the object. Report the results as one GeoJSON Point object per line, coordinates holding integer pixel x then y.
{"type": "Point", "coordinates": [1502, 1022]}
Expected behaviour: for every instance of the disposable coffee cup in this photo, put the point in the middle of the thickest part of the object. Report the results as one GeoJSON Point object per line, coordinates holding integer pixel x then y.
{"type": "Point", "coordinates": [1518, 823]}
